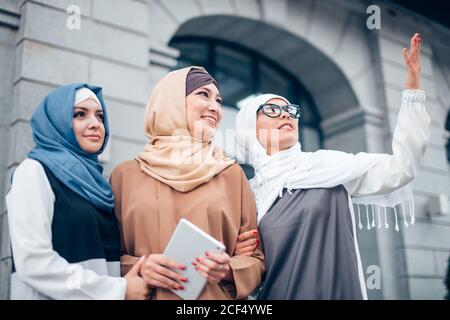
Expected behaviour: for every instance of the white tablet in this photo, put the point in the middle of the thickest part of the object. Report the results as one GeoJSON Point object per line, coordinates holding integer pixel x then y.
{"type": "Point", "coordinates": [187, 243]}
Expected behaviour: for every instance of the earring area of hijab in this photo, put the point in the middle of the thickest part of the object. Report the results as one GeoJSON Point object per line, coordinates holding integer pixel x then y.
{"type": "Point", "coordinates": [274, 111]}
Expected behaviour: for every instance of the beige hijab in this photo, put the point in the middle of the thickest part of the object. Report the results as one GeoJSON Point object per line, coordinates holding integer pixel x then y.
{"type": "Point", "coordinates": [172, 155]}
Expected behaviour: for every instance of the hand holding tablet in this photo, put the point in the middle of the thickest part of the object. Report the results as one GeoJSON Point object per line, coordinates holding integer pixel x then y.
{"type": "Point", "coordinates": [160, 272]}
{"type": "Point", "coordinates": [215, 267]}
{"type": "Point", "coordinates": [190, 247]}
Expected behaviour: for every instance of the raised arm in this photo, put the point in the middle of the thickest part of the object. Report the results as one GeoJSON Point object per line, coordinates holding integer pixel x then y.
{"type": "Point", "coordinates": [411, 135]}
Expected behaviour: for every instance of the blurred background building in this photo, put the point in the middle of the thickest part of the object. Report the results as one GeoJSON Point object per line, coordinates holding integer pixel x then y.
{"type": "Point", "coordinates": [320, 54]}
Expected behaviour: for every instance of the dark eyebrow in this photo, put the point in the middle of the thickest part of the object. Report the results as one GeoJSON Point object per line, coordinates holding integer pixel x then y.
{"type": "Point", "coordinates": [209, 90]}
{"type": "Point", "coordinates": [86, 109]}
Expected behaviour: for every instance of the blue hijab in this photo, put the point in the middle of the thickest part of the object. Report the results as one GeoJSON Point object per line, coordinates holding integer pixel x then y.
{"type": "Point", "coordinates": [58, 149]}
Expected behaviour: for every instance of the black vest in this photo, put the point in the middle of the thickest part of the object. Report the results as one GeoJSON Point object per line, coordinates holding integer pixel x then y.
{"type": "Point", "coordinates": [80, 231]}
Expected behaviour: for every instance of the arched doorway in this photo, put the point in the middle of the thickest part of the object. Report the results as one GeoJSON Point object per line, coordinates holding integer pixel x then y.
{"type": "Point", "coordinates": [320, 81]}
{"type": "Point", "coordinates": [279, 62]}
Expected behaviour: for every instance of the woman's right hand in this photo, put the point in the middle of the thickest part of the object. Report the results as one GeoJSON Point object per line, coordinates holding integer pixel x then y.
{"type": "Point", "coordinates": [158, 272]}
{"type": "Point", "coordinates": [247, 243]}
{"type": "Point", "coordinates": [137, 288]}
{"type": "Point", "coordinates": [412, 61]}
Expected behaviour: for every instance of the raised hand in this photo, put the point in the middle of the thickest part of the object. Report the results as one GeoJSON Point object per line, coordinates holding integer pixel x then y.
{"type": "Point", "coordinates": [412, 60]}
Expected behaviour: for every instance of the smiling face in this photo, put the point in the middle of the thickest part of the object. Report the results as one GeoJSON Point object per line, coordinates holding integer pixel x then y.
{"type": "Point", "coordinates": [204, 111]}
{"type": "Point", "coordinates": [88, 125]}
{"type": "Point", "coordinates": [276, 134]}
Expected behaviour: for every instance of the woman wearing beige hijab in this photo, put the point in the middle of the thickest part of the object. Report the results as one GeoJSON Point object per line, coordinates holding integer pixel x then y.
{"type": "Point", "coordinates": [305, 200]}
{"type": "Point", "coordinates": [181, 174]}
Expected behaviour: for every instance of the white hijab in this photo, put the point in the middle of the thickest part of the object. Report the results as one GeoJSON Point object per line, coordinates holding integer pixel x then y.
{"type": "Point", "coordinates": [295, 169]}
{"type": "Point", "coordinates": [84, 94]}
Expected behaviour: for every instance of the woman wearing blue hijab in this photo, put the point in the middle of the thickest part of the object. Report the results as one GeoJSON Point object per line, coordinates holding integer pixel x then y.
{"type": "Point", "coordinates": [64, 236]}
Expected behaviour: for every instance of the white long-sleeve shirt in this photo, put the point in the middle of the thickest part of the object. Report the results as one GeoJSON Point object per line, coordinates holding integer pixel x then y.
{"type": "Point", "coordinates": [41, 273]}
{"type": "Point", "coordinates": [410, 139]}
{"type": "Point", "coordinates": [409, 142]}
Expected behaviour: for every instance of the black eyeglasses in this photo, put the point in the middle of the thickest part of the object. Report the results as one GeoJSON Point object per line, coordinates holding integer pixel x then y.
{"type": "Point", "coordinates": [274, 110]}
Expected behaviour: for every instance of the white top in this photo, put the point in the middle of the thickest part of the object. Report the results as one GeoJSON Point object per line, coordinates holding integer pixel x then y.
{"type": "Point", "coordinates": [370, 178]}
{"type": "Point", "coordinates": [41, 273]}
{"type": "Point", "coordinates": [382, 180]}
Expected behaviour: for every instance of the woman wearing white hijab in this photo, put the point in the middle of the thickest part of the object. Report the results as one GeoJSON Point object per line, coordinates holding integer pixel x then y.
{"type": "Point", "coordinates": [305, 199]}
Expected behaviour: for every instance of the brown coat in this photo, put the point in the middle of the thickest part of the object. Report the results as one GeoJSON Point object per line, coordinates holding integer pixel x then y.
{"type": "Point", "coordinates": [149, 210]}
